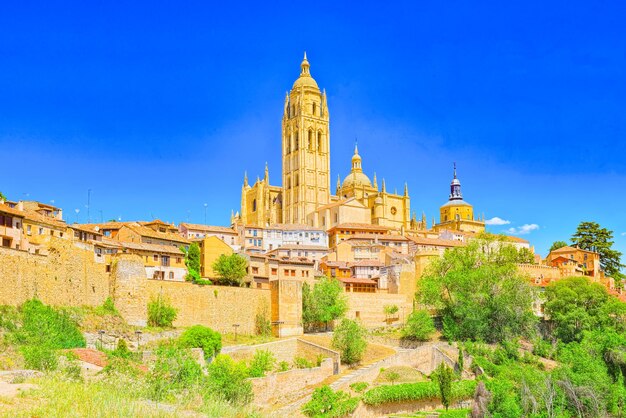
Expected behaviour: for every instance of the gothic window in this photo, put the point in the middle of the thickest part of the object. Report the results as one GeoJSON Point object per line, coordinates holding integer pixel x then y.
{"type": "Point", "coordinates": [254, 205]}
{"type": "Point", "coordinates": [319, 142]}
{"type": "Point", "coordinates": [288, 145]}
{"type": "Point", "coordinates": [293, 110]}
{"type": "Point", "coordinates": [296, 182]}
{"type": "Point", "coordinates": [295, 145]}
{"type": "Point", "coordinates": [310, 140]}
{"type": "Point", "coordinates": [314, 109]}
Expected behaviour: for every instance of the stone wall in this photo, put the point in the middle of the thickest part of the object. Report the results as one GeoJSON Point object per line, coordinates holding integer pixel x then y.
{"type": "Point", "coordinates": [218, 307]}
{"type": "Point", "coordinates": [368, 307]}
{"type": "Point", "coordinates": [68, 276]}
{"type": "Point", "coordinates": [279, 385]}
{"type": "Point", "coordinates": [285, 350]}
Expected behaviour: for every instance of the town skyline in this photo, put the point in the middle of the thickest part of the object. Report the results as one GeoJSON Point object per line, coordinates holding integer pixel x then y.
{"type": "Point", "coordinates": [160, 138]}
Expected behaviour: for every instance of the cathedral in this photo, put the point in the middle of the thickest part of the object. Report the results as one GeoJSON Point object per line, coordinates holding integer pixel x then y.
{"type": "Point", "coordinates": [305, 197]}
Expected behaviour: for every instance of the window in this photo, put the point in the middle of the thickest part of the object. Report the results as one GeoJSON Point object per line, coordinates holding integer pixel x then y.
{"type": "Point", "coordinates": [310, 142]}
{"type": "Point", "coordinates": [314, 108]}
{"type": "Point", "coordinates": [319, 142]}
{"type": "Point", "coordinates": [108, 268]}
{"type": "Point", "coordinates": [40, 231]}
{"type": "Point", "coordinates": [293, 273]}
{"type": "Point", "coordinates": [171, 275]}
{"type": "Point", "coordinates": [295, 144]}
{"type": "Point", "coordinates": [156, 257]}
{"type": "Point", "coordinates": [255, 270]}
{"type": "Point", "coordinates": [274, 272]}
{"type": "Point", "coordinates": [254, 205]}
{"type": "Point", "coordinates": [178, 260]}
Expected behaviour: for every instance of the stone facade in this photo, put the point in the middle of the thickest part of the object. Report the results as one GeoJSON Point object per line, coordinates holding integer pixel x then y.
{"type": "Point", "coordinates": [67, 276]}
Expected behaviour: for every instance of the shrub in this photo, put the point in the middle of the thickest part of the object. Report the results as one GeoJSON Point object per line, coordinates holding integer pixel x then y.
{"type": "Point", "coordinates": [122, 350]}
{"type": "Point", "coordinates": [349, 339]}
{"type": "Point", "coordinates": [173, 370]}
{"type": "Point", "coordinates": [390, 309]}
{"type": "Point", "coordinates": [199, 336]}
{"type": "Point", "coordinates": [302, 363]}
{"type": "Point", "coordinates": [9, 318]}
{"type": "Point", "coordinates": [262, 324]}
{"type": "Point", "coordinates": [107, 308]}
{"type": "Point", "coordinates": [326, 403]}
{"type": "Point", "coordinates": [40, 357]}
{"type": "Point", "coordinates": [44, 326]}
{"type": "Point", "coordinates": [283, 366]}
{"type": "Point", "coordinates": [402, 392]}
{"type": "Point", "coordinates": [392, 376]}
{"type": "Point", "coordinates": [160, 312]}
{"type": "Point", "coordinates": [227, 378]}
{"type": "Point", "coordinates": [359, 386]}
{"type": "Point", "coordinates": [262, 362]}
{"type": "Point", "coordinates": [419, 326]}
{"type": "Point", "coordinates": [230, 269]}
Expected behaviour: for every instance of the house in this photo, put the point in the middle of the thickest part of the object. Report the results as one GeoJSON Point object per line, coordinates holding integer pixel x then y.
{"type": "Point", "coordinates": [198, 231]}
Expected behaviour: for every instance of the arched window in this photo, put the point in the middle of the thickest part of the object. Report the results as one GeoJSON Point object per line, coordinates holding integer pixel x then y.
{"type": "Point", "coordinates": [295, 143]}
{"type": "Point", "coordinates": [319, 142]}
{"type": "Point", "coordinates": [314, 108]}
{"type": "Point", "coordinates": [254, 205]}
{"type": "Point", "coordinates": [310, 139]}
{"type": "Point", "coordinates": [296, 181]}
{"type": "Point", "coordinates": [288, 145]}
{"type": "Point", "coordinates": [171, 275]}
{"type": "Point", "coordinates": [293, 110]}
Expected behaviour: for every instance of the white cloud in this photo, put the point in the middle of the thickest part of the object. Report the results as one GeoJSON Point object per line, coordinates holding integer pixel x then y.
{"type": "Point", "coordinates": [497, 221]}
{"type": "Point", "coordinates": [523, 230]}
{"type": "Point", "coordinates": [623, 234]}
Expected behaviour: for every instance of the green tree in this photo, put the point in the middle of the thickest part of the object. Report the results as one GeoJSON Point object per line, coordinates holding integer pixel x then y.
{"type": "Point", "coordinates": [557, 244]}
{"type": "Point", "coordinates": [230, 269]}
{"type": "Point", "coordinates": [199, 336]}
{"type": "Point", "coordinates": [324, 303]}
{"type": "Point", "coordinates": [575, 304]}
{"type": "Point", "coordinates": [444, 375]}
{"type": "Point", "coordinates": [591, 237]}
{"type": "Point", "coordinates": [2, 196]}
{"type": "Point", "coordinates": [349, 339]}
{"type": "Point", "coordinates": [479, 292]}
{"type": "Point", "coordinates": [419, 326]}
{"type": "Point", "coordinates": [228, 379]}
{"type": "Point", "coordinates": [192, 258]}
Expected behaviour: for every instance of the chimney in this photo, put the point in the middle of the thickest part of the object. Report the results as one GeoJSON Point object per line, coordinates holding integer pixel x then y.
{"type": "Point", "coordinates": [20, 206]}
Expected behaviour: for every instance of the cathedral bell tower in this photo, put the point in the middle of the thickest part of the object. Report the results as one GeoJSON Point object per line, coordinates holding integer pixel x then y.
{"type": "Point", "coordinates": [305, 148]}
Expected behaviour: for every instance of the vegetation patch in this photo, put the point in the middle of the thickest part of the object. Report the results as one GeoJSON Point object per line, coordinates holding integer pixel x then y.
{"type": "Point", "coordinates": [421, 391]}
{"type": "Point", "coordinates": [325, 403]}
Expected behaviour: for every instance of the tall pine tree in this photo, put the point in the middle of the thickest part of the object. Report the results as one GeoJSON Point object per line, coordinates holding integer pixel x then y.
{"type": "Point", "coordinates": [591, 237]}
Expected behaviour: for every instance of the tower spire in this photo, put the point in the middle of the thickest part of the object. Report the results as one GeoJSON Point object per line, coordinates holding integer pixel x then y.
{"type": "Point", "coordinates": [375, 182]}
{"type": "Point", "coordinates": [305, 66]}
{"type": "Point", "coordinates": [245, 178]}
{"type": "Point", "coordinates": [267, 174]}
{"type": "Point", "coordinates": [455, 187]}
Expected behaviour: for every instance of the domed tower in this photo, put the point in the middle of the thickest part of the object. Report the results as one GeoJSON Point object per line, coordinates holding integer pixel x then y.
{"type": "Point", "coordinates": [356, 178]}
{"type": "Point", "coordinates": [305, 148]}
{"type": "Point", "coordinates": [456, 213]}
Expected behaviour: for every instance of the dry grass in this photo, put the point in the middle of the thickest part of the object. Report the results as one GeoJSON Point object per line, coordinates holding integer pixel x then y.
{"type": "Point", "coordinates": [404, 374]}
{"type": "Point", "coordinates": [229, 339]}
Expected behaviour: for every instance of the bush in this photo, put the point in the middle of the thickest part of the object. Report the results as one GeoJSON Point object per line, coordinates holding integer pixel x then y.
{"type": "Point", "coordinates": [262, 324]}
{"type": "Point", "coordinates": [302, 363]}
{"type": "Point", "coordinates": [262, 362]}
{"type": "Point", "coordinates": [419, 326]}
{"type": "Point", "coordinates": [122, 351]}
{"type": "Point", "coordinates": [44, 326]}
{"type": "Point", "coordinates": [349, 339]}
{"type": "Point", "coordinates": [199, 336]}
{"type": "Point", "coordinates": [402, 392]}
{"type": "Point", "coordinates": [40, 357]}
{"type": "Point", "coordinates": [283, 366]}
{"type": "Point", "coordinates": [359, 386]}
{"type": "Point", "coordinates": [107, 308]}
{"type": "Point", "coordinates": [160, 312]}
{"type": "Point", "coordinates": [173, 370]}
{"type": "Point", "coordinates": [326, 403]}
{"type": "Point", "coordinates": [228, 379]}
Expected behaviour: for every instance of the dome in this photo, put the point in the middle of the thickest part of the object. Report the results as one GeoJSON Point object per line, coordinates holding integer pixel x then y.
{"type": "Point", "coordinates": [453, 203]}
{"type": "Point", "coordinates": [356, 179]}
{"type": "Point", "coordinates": [305, 79]}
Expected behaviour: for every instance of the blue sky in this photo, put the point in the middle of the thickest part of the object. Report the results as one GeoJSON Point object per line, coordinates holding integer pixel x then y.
{"type": "Point", "coordinates": [159, 108]}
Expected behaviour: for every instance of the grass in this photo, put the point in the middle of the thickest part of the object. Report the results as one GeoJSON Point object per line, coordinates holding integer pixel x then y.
{"type": "Point", "coordinates": [119, 396]}
{"type": "Point", "coordinates": [405, 374]}
{"type": "Point", "coordinates": [441, 413]}
{"type": "Point", "coordinates": [229, 339]}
